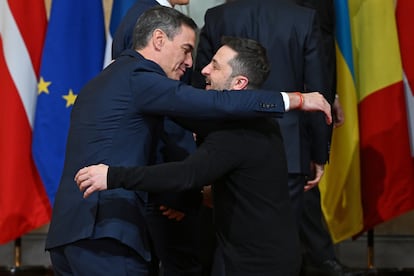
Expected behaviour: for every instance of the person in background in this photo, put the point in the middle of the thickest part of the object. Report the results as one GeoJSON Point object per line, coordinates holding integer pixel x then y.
{"type": "Point", "coordinates": [123, 35]}
{"type": "Point", "coordinates": [116, 119]}
{"type": "Point", "coordinates": [245, 161]}
{"type": "Point", "coordinates": [319, 253]}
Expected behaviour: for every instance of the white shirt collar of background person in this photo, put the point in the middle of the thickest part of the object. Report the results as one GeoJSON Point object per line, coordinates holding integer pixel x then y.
{"type": "Point", "coordinates": [164, 3]}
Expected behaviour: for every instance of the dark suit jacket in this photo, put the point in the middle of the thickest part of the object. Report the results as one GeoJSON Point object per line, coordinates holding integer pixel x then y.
{"type": "Point", "coordinates": [252, 211]}
{"type": "Point", "coordinates": [315, 238]}
{"type": "Point", "coordinates": [326, 13]}
{"type": "Point", "coordinates": [123, 35]}
{"type": "Point", "coordinates": [115, 120]}
{"type": "Point", "coordinates": [176, 143]}
{"type": "Point", "coordinates": [291, 36]}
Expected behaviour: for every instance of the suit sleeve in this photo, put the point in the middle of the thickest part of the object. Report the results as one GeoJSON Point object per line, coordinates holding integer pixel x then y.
{"type": "Point", "coordinates": [207, 164]}
{"type": "Point", "coordinates": [157, 95]}
{"type": "Point", "coordinates": [316, 80]}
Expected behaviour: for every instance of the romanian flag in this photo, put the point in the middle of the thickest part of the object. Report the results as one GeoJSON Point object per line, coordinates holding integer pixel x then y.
{"type": "Point", "coordinates": [72, 55]}
{"type": "Point", "coordinates": [386, 164]}
{"type": "Point", "coordinates": [24, 205]}
{"type": "Point", "coordinates": [340, 185]}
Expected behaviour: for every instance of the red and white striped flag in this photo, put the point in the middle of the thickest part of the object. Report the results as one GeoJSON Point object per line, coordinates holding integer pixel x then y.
{"type": "Point", "coordinates": [24, 205]}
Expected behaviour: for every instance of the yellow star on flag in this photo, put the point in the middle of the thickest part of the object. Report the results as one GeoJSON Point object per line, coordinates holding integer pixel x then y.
{"type": "Point", "coordinates": [43, 86]}
{"type": "Point", "coordinates": [70, 98]}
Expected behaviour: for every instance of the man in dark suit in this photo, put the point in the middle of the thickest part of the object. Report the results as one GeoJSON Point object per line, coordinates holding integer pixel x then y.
{"type": "Point", "coordinates": [116, 120]}
{"type": "Point", "coordinates": [246, 163]}
{"type": "Point", "coordinates": [173, 229]}
{"type": "Point", "coordinates": [319, 252]}
{"type": "Point", "coordinates": [291, 35]}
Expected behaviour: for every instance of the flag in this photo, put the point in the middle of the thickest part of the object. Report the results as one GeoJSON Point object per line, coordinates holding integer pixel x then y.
{"type": "Point", "coordinates": [405, 21]}
{"type": "Point", "coordinates": [387, 168]}
{"type": "Point", "coordinates": [340, 185]}
{"type": "Point", "coordinates": [119, 9]}
{"type": "Point", "coordinates": [386, 165]}
{"type": "Point", "coordinates": [72, 55]}
{"type": "Point", "coordinates": [24, 205]}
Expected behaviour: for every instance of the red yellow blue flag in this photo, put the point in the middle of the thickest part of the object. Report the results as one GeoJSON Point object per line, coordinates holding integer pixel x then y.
{"type": "Point", "coordinates": [386, 163]}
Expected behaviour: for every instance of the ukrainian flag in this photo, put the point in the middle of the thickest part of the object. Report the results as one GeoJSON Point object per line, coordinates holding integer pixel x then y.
{"type": "Point", "coordinates": [340, 186]}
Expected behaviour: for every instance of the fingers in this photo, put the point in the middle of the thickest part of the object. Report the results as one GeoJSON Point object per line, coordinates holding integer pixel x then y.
{"type": "Point", "coordinates": [89, 191]}
{"type": "Point", "coordinates": [318, 171]}
{"type": "Point", "coordinates": [328, 115]}
{"type": "Point", "coordinates": [172, 213]}
{"type": "Point", "coordinates": [315, 101]}
{"type": "Point", "coordinates": [338, 113]}
{"type": "Point", "coordinates": [81, 175]}
{"type": "Point", "coordinates": [326, 108]}
{"type": "Point", "coordinates": [83, 178]}
{"type": "Point", "coordinates": [178, 216]}
{"type": "Point", "coordinates": [91, 179]}
{"type": "Point", "coordinates": [311, 184]}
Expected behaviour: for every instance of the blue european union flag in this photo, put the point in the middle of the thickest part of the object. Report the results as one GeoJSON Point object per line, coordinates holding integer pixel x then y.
{"type": "Point", "coordinates": [73, 54]}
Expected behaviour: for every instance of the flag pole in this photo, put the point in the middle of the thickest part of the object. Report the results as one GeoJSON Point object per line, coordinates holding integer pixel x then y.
{"type": "Point", "coordinates": [370, 243]}
{"type": "Point", "coordinates": [18, 252]}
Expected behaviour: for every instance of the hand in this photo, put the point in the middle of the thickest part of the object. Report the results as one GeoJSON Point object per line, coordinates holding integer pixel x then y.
{"type": "Point", "coordinates": [207, 197]}
{"type": "Point", "coordinates": [317, 170]}
{"type": "Point", "coordinates": [172, 213]}
{"type": "Point", "coordinates": [338, 113]}
{"type": "Point", "coordinates": [91, 179]}
{"type": "Point", "coordinates": [312, 101]}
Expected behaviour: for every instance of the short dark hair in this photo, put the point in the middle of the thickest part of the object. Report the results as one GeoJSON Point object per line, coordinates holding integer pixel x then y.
{"type": "Point", "coordinates": [250, 61]}
{"type": "Point", "coordinates": [166, 19]}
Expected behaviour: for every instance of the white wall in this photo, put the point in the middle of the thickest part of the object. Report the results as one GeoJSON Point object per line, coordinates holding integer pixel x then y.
{"type": "Point", "coordinates": [197, 8]}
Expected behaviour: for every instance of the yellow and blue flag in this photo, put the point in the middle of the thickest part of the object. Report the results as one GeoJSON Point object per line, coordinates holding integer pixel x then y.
{"type": "Point", "coordinates": [385, 164]}
{"type": "Point", "coordinates": [73, 54]}
{"type": "Point", "coordinates": [340, 186]}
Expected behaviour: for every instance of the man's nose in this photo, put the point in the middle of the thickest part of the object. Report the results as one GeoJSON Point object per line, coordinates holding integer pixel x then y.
{"type": "Point", "coordinates": [206, 70]}
{"type": "Point", "coordinates": [188, 61]}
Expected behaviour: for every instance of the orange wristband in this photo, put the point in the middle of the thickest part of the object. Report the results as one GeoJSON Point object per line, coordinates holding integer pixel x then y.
{"type": "Point", "coordinates": [301, 99]}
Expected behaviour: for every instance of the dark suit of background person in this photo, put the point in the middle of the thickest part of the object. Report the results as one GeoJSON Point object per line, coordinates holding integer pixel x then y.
{"type": "Point", "coordinates": [123, 35]}
{"type": "Point", "coordinates": [176, 243]}
{"type": "Point", "coordinates": [291, 35]}
{"type": "Point", "coordinates": [319, 252]}
{"type": "Point", "coordinates": [253, 217]}
{"type": "Point", "coordinates": [115, 120]}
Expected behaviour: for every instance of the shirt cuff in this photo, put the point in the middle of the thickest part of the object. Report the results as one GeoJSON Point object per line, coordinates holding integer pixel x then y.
{"type": "Point", "coordinates": [286, 100]}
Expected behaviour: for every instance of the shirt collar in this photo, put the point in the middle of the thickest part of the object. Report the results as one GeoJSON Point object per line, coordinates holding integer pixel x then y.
{"type": "Point", "coordinates": [164, 3]}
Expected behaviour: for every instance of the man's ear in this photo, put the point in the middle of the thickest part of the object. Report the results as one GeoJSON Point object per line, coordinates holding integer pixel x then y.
{"type": "Point", "coordinates": [158, 39]}
{"type": "Point", "coordinates": [240, 82]}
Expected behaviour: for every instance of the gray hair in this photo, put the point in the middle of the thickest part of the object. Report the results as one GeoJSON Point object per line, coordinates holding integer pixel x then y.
{"type": "Point", "coordinates": [166, 19]}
